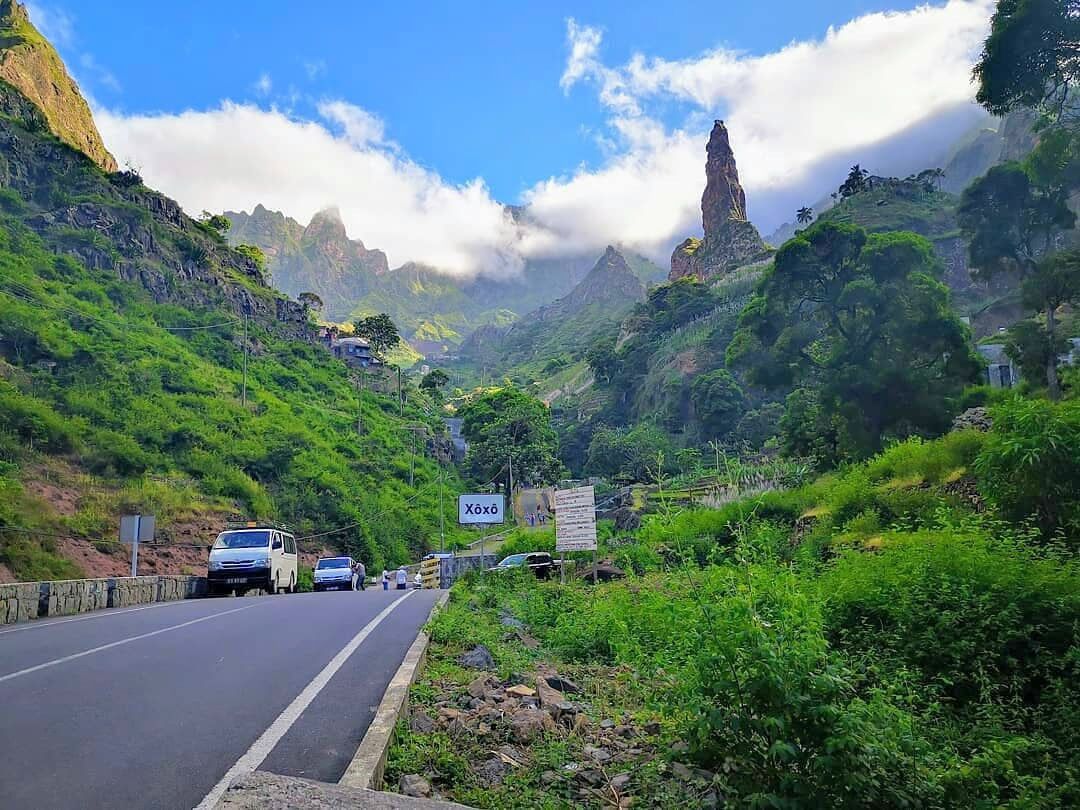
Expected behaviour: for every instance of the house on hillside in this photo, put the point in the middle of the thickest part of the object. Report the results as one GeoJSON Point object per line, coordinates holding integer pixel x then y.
{"type": "Point", "coordinates": [354, 351]}
{"type": "Point", "coordinates": [1000, 370]}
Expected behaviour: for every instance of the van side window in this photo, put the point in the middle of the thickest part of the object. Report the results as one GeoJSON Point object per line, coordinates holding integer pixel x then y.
{"type": "Point", "coordinates": [277, 541]}
{"type": "Point", "coordinates": [290, 544]}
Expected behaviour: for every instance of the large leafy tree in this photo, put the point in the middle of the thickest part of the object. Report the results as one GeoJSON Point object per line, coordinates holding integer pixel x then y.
{"type": "Point", "coordinates": [507, 423]}
{"type": "Point", "coordinates": [1011, 217]}
{"type": "Point", "coordinates": [379, 330]}
{"type": "Point", "coordinates": [863, 326]}
{"type": "Point", "coordinates": [718, 402]}
{"type": "Point", "coordinates": [1032, 58]}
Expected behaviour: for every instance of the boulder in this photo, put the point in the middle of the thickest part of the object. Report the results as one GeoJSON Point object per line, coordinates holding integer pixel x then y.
{"type": "Point", "coordinates": [479, 657]}
{"type": "Point", "coordinates": [563, 684]}
{"type": "Point", "coordinates": [520, 690]}
{"type": "Point", "coordinates": [414, 785]}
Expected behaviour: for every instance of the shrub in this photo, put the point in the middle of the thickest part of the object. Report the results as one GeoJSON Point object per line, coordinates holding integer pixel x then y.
{"type": "Point", "coordinates": [1030, 464]}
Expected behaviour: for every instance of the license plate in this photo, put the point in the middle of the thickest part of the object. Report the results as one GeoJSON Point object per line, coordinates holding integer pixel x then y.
{"type": "Point", "coordinates": [236, 581]}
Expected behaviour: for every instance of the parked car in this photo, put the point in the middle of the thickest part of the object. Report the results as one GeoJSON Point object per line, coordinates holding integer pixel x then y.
{"type": "Point", "coordinates": [253, 556]}
{"type": "Point", "coordinates": [539, 562]}
{"type": "Point", "coordinates": [333, 573]}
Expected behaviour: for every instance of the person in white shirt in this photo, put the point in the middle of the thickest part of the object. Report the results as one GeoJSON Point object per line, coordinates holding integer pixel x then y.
{"type": "Point", "coordinates": [418, 581]}
{"type": "Point", "coordinates": [385, 580]}
{"type": "Point", "coordinates": [402, 578]}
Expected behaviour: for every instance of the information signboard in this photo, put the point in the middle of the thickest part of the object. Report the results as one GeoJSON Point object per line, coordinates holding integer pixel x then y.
{"type": "Point", "coordinates": [575, 519]}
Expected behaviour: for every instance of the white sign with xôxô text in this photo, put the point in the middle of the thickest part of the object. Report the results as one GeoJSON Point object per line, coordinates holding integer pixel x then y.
{"type": "Point", "coordinates": [478, 508]}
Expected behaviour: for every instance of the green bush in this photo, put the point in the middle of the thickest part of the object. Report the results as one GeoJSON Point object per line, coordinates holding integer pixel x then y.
{"type": "Point", "coordinates": [1030, 464]}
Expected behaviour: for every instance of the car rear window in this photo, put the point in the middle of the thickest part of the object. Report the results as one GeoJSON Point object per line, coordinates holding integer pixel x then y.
{"type": "Point", "coordinates": [514, 559]}
{"type": "Point", "coordinates": [250, 539]}
{"type": "Point", "coordinates": [334, 562]}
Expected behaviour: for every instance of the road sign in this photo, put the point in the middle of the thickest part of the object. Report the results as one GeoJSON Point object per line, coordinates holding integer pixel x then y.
{"type": "Point", "coordinates": [575, 519]}
{"type": "Point", "coordinates": [477, 508]}
{"type": "Point", "coordinates": [137, 528]}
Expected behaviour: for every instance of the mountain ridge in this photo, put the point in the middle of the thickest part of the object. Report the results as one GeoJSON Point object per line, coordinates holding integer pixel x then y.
{"type": "Point", "coordinates": [30, 64]}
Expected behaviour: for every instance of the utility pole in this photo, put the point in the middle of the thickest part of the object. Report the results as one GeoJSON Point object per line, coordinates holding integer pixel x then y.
{"type": "Point", "coordinates": [513, 517]}
{"type": "Point", "coordinates": [442, 514]}
{"type": "Point", "coordinates": [359, 407]}
{"type": "Point", "coordinates": [243, 394]}
{"type": "Point", "coordinates": [412, 455]}
{"type": "Point", "coordinates": [401, 402]}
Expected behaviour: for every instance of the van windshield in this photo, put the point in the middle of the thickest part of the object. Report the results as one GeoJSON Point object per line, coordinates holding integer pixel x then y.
{"type": "Point", "coordinates": [334, 562]}
{"type": "Point", "coordinates": [253, 539]}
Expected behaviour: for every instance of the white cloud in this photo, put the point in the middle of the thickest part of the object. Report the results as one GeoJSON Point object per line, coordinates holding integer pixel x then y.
{"type": "Point", "coordinates": [890, 91]}
{"type": "Point", "coordinates": [240, 155]}
{"type": "Point", "coordinates": [892, 88]}
{"type": "Point", "coordinates": [264, 84]}
{"type": "Point", "coordinates": [315, 69]}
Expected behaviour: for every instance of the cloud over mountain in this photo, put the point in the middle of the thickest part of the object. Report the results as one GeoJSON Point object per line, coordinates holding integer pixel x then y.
{"type": "Point", "coordinates": [886, 89]}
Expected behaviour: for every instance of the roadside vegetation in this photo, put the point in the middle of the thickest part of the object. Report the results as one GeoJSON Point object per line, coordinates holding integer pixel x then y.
{"type": "Point", "coordinates": [902, 632]}
{"type": "Point", "coordinates": [141, 417]}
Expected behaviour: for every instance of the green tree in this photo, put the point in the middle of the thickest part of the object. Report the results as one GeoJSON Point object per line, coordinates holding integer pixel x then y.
{"type": "Point", "coordinates": [643, 453]}
{"type": "Point", "coordinates": [311, 300]}
{"type": "Point", "coordinates": [603, 360]}
{"type": "Point", "coordinates": [216, 222]}
{"type": "Point", "coordinates": [1011, 220]}
{"type": "Point", "coordinates": [864, 325]}
{"type": "Point", "coordinates": [718, 402]}
{"type": "Point", "coordinates": [435, 380]}
{"type": "Point", "coordinates": [378, 330]}
{"type": "Point", "coordinates": [1031, 58]}
{"type": "Point", "coordinates": [856, 181]}
{"type": "Point", "coordinates": [506, 423]}
{"type": "Point", "coordinates": [804, 215]}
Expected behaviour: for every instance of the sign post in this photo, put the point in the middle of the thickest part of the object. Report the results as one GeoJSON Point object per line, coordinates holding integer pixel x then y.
{"type": "Point", "coordinates": [575, 523]}
{"type": "Point", "coordinates": [480, 510]}
{"type": "Point", "coordinates": [133, 530]}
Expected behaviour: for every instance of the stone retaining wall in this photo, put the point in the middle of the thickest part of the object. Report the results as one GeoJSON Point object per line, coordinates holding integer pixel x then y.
{"type": "Point", "coordinates": [22, 601]}
{"type": "Point", "coordinates": [452, 568]}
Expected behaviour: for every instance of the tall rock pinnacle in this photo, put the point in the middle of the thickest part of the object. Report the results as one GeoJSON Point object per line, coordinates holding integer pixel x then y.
{"type": "Point", "coordinates": [724, 198]}
{"type": "Point", "coordinates": [730, 239]}
{"type": "Point", "coordinates": [33, 67]}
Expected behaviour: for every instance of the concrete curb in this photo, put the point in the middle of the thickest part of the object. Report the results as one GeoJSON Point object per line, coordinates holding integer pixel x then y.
{"type": "Point", "coordinates": [369, 762]}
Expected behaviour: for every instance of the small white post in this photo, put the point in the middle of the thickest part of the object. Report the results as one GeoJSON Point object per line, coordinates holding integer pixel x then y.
{"type": "Point", "coordinates": [135, 547]}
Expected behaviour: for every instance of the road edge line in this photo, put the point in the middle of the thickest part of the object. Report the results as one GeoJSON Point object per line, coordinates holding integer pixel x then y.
{"type": "Point", "coordinates": [257, 753]}
{"type": "Point", "coordinates": [369, 762]}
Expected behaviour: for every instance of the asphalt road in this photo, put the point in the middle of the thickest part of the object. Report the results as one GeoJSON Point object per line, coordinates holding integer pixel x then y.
{"type": "Point", "coordinates": [152, 707]}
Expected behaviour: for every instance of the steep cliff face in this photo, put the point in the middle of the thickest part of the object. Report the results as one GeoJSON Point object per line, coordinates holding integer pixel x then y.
{"type": "Point", "coordinates": [730, 239]}
{"type": "Point", "coordinates": [114, 223]}
{"type": "Point", "coordinates": [320, 258]}
{"type": "Point", "coordinates": [31, 65]}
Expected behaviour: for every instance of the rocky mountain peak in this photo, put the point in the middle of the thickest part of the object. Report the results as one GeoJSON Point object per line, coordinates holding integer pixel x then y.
{"type": "Point", "coordinates": [730, 239]}
{"type": "Point", "coordinates": [33, 67]}
{"type": "Point", "coordinates": [724, 198]}
{"type": "Point", "coordinates": [327, 224]}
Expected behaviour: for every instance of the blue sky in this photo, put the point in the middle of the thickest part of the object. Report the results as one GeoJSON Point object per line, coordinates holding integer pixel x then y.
{"type": "Point", "coordinates": [467, 88]}
{"type": "Point", "coordinates": [418, 119]}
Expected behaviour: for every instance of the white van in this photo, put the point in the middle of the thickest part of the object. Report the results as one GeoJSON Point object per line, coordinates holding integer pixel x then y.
{"type": "Point", "coordinates": [253, 556]}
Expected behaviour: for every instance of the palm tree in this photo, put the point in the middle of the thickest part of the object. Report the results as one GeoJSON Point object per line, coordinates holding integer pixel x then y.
{"type": "Point", "coordinates": [804, 215]}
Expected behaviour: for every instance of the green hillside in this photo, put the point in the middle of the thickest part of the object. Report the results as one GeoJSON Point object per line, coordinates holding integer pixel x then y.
{"type": "Point", "coordinates": [121, 357]}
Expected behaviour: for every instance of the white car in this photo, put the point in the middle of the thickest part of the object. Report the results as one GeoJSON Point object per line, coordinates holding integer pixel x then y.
{"type": "Point", "coordinates": [255, 556]}
{"type": "Point", "coordinates": [333, 573]}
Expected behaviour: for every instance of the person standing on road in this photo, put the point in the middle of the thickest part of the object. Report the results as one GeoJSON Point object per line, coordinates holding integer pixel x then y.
{"type": "Point", "coordinates": [402, 578]}
{"type": "Point", "coordinates": [385, 580]}
{"type": "Point", "coordinates": [418, 581]}
{"type": "Point", "coordinates": [361, 576]}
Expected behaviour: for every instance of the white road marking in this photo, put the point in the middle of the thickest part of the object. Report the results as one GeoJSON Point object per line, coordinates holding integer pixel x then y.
{"type": "Point", "coordinates": [109, 646]}
{"type": "Point", "coordinates": [97, 615]}
{"type": "Point", "coordinates": [262, 747]}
